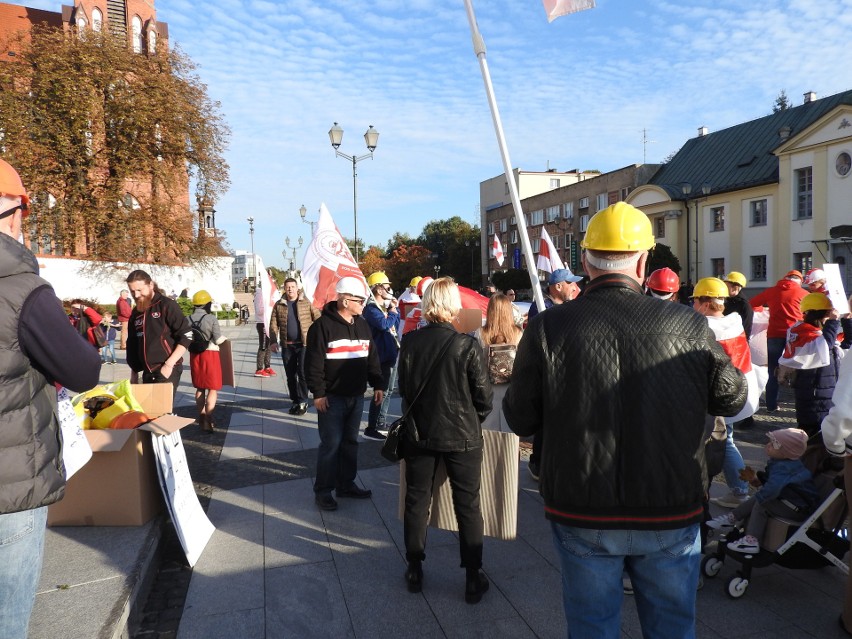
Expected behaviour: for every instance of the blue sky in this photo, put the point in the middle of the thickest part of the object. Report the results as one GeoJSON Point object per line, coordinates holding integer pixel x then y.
{"type": "Point", "coordinates": [576, 93]}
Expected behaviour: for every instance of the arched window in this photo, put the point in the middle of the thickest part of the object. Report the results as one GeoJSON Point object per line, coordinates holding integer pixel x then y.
{"type": "Point", "coordinates": [136, 28]}
{"type": "Point", "coordinates": [152, 41]}
{"type": "Point", "coordinates": [82, 23]}
{"type": "Point", "coordinates": [97, 20]}
{"type": "Point", "coordinates": [129, 203]}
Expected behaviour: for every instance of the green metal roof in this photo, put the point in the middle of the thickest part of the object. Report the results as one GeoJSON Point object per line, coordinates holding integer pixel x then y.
{"type": "Point", "coordinates": [740, 156]}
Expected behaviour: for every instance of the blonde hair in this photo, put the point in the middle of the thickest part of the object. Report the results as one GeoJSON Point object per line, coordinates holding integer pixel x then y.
{"type": "Point", "coordinates": [441, 301]}
{"type": "Point", "coordinates": [499, 322]}
{"type": "Point", "coordinates": [713, 303]}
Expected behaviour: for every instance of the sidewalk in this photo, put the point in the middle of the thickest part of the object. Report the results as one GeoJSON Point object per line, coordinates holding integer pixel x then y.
{"type": "Point", "coordinates": [278, 567]}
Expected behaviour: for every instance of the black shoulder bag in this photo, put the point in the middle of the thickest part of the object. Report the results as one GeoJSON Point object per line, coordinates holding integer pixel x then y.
{"type": "Point", "coordinates": [392, 449]}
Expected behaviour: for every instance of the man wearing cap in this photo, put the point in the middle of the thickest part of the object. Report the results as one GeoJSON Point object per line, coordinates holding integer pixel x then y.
{"type": "Point", "coordinates": [621, 385]}
{"type": "Point", "coordinates": [783, 301]}
{"type": "Point", "coordinates": [38, 348]}
{"type": "Point", "coordinates": [341, 358]}
{"type": "Point", "coordinates": [562, 287]}
{"type": "Point", "coordinates": [736, 303]}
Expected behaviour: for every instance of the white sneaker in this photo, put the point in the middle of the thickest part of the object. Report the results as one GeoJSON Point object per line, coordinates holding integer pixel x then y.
{"type": "Point", "coordinates": [731, 500]}
{"type": "Point", "coordinates": [747, 544]}
{"type": "Point", "coordinates": [722, 522]}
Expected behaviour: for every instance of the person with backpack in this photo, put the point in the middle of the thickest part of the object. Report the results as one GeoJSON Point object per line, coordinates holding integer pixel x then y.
{"type": "Point", "coordinates": [204, 363]}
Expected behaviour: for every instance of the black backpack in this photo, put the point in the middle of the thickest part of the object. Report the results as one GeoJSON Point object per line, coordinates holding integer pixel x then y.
{"type": "Point", "coordinates": [199, 342]}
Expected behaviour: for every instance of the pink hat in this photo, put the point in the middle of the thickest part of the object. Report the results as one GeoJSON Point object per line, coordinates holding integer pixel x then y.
{"type": "Point", "coordinates": [791, 442]}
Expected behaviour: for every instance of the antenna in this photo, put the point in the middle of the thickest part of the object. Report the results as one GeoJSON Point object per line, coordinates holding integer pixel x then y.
{"type": "Point", "coordinates": [645, 143]}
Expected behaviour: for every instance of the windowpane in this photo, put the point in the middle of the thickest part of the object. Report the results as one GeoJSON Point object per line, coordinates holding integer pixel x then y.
{"type": "Point", "coordinates": [758, 212]}
{"type": "Point", "coordinates": [758, 268]}
{"type": "Point", "coordinates": [804, 193]}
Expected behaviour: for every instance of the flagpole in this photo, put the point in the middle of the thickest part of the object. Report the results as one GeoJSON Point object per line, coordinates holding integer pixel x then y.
{"type": "Point", "coordinates": [479, 50]}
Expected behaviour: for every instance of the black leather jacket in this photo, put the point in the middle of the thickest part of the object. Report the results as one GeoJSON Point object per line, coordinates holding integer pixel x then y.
{"type": "Point", "coordinates": [621, 384]}
{"type": "Point", "coordinates": [449, 413]}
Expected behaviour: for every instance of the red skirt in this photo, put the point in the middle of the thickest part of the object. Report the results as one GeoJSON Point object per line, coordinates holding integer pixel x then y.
{"type": "Point", "coordinates": [206, 369]}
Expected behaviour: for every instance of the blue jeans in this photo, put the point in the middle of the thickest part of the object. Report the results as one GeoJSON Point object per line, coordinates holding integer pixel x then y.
{"type": "Point", "coordinates": [662, 564]}
{"type": "Point", "coordinates": [378, 414]}
{"type": "Point", "coordinates": [109, 348]}
{"type": "Point", "coordinates": [733, 463]}
{"type": "Point", "coordinates": [774, 350]}
{"type": "Point", "coordinates": [337, 455]}
{"type": "Point", "coordinates": [21, 551]}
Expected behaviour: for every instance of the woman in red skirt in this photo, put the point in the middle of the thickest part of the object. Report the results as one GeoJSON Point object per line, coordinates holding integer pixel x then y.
{"type": "Point", "coordinates": [204, 363]}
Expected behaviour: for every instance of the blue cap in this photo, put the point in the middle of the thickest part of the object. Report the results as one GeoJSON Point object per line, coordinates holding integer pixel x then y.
{"type": "Point", "coordinates": [563, 275]}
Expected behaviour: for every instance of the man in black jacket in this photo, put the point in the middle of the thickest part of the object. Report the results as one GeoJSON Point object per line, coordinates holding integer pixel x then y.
{"type": "Point", "coordinates": [736, 303]}
{"type": "Point", "coordinates": [621, 385]}
{"type": "Point", "coordinates": [38, 346]}
{"type": "Point", "coordinates": [340, 359]}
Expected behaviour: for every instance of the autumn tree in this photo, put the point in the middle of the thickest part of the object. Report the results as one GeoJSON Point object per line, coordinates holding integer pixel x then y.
{"type": "Point", "coordinates": [446, 240]}
{"type": "Point", "coordinates": [406, 262]}
{"type": "Point", "coordinates": [107, 142]}
{"type": "Point", "coordinates": [371, 261]}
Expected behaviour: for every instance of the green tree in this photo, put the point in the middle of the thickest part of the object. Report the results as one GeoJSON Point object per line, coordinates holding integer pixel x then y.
{"type": "Point", "coordinates": [513, 278]}
{"type": "Point", "coordinates": [446, 240]}
{"type": "Point", "coordinates": [107, 140]}
{"type": "Point", "coordinates": [661, 256]}
{"type": "Point", "coordinates": [782, 102]}
{"type": "Point", "coordinates": [406, 262]}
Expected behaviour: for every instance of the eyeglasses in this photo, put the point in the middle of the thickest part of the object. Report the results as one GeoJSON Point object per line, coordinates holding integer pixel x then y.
{"type": "Point", "coordinates": [357, 300]}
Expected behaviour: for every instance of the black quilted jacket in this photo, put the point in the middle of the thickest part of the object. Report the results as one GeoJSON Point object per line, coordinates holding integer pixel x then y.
{"type": "Point", "coordinates": [621, 384]}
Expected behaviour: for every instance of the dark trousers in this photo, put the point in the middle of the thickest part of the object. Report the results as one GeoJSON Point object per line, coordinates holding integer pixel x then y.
{"type": "Point", "coordinates": [464, 472]}
{"type": "Point", "coordinates": [157, 378]}
{"type": "Point", "coordinates": [293, 356]}
{"type": "Point", "coordinates": [337, 455]}
{"type": "Point", "coordinates": [375, 411]}
{"type": "Point", "coordinates": [263, 354]}
{"type": "Point", "coordinates": [538, 440]}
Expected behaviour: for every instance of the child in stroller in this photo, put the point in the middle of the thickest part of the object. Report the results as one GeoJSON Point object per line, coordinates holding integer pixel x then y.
{"type": "Point", "coordinates": [786, 489]}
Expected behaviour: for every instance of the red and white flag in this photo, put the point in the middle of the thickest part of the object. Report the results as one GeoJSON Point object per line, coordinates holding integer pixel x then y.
{"type": "Point", "coordinates": [265, 296]}
{"type": "Point", "coordinates": [548, 258]}
{"type": "Point", "coordinates": [806, 348]}
{"type": "Point", "coordinates": [557, 8]}
{"type": "Point", "coordinates": [497, 250]}
{"type": "Point", "coordinates": [327, 260]}
{"type": "Point", "coordinates": [731, 336]}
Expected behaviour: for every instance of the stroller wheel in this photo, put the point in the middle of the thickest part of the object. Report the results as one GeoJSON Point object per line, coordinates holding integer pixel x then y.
{"type": "Point", "coordinates": [710, 566]}
{"type": "Point", "coordinates": [737, 587]}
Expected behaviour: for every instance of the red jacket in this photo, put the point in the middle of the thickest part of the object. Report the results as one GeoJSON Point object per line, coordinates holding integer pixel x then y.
{"type": "Point", "coordinates": [783, 301]}
{"type": "Point", "coordinates": [123, 309]}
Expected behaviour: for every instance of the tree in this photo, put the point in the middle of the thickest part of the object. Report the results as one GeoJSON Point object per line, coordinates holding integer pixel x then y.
{"type": "Point", "coordinates": [661, 256]}
{"type": "Point", "coordinates": [107, 140]}
{"type": "Point", "coordinates": [446, 240]}
{"type": "Point", "coordinates": [782, 102]}
{"type": "Point", "coordinates": [513, 278]}
{"type": "Point", "coordinates": [406, 262]}
{"type": "Point", "coordinates": [398, 239]}
{"type": "Point", "coordinates": [373, 260]}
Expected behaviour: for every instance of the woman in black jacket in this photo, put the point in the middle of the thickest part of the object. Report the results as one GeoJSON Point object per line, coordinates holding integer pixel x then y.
{"type": "Point", "coordinates": [447, 417]}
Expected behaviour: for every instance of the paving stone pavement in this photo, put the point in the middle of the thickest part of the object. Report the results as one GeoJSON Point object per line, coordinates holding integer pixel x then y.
{"type": "Point", "coordinates": [277, 567]}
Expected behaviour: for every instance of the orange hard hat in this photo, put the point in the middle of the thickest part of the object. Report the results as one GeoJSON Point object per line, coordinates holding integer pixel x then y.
{"type": "Point", "coordinates": [664, 279]}
{"type": "Point", "coordinates": [794, 273]}
{"type": "Point", "coordinates": [129, 420]}
{"type": "Point", "coordinates": [10, 184]}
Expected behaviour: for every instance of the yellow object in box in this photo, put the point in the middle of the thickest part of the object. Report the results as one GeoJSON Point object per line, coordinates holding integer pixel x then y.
{"type": "Point", "coordinates": [124, 389]}
{"type": "Point", "coordinates": [104, 418]}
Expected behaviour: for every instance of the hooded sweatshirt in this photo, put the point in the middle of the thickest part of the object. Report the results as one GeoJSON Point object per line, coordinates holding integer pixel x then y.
{"type": "Point", "coordinates": [783, 301]}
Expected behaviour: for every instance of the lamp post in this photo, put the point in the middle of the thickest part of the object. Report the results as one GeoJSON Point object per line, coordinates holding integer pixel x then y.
{"type": "Point", "coordinates": [293, 258]}
{"type": "Point", "coordinates": [474, 245]}
{"type": "Point", "coordinates": [437, 268]}
{"type": "Point", "coordinates": [686, 189]}
{"type": "Point", "coordinates": [303, 212]}
{"type": "Point", "coordinates": [371, 137]}
{"type": "Point", "coordinates": [253, 259]}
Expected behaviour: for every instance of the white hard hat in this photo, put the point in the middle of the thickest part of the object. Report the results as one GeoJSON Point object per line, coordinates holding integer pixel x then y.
{"type": "Point", "coordinates": [351, 286]}
{"type": "Point", "coordinates": [815, 275]}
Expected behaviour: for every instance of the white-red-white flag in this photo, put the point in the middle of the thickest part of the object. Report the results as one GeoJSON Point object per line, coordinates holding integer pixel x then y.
{"type": "Point", "coordinates": [265, 296]}
{"type": "Point", "coordinates": [548, 258]}
{"type": "Point", "coordinates": [497, 250]}
{"type": "Point", "coordinates": [557, 8]}
{"type": "Point", "coordinates": [326, 261]}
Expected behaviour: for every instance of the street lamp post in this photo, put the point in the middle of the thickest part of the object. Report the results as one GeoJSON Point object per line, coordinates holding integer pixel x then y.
{"type": "Point", "coordinates": [437, 268]}
{"type": "Point", "coordinates": [686, 189]}
{"type": "Point", "coordinates": [253, 259]}
{"type": "Point", "coordinates": [293, 258]}
{"type": "Point", "coordinates": [371, 137]}
{"type": "Point", "coordinates": [474, 245]}
{"type": "Point", "coordinates": [303, 212]}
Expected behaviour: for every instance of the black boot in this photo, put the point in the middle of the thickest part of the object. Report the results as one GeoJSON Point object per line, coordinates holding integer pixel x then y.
{"type": "Point", "coordinates": [476, 583]}
{"type": "Point", "coordinates": [414, 576]}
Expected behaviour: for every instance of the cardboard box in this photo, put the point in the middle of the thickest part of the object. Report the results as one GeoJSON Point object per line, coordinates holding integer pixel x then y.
{"type": "Point", "coordinates": [119, 485]}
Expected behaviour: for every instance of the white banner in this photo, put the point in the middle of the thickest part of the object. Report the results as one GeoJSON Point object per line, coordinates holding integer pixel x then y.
{"type": "Point", "coordinates": [834, 288]}
{"type": "Point", "coordinates": [191, 523]}
{"type": "Point", "coordinates": [76, 451]}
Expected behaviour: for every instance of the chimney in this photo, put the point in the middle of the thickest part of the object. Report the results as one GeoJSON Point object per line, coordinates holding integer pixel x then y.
{"type": "Point", "coordinates": [702, 131]}
{"type": "Point", "coordinates": [810, 96]}
{"type": "Point", "coordinates": [784, 132]}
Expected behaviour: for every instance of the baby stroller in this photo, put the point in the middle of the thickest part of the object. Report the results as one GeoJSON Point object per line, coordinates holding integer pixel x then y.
{"type": "Point", "coordinates": [817, 540]}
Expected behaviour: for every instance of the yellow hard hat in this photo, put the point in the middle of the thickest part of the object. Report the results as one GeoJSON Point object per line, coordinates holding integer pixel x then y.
{"type": "Point", "coordinates": [815, 302]}
{"type": "Point", "coordinates": [378, 277]}
{"type": "Point", "coordinates": [201, 298]}
{"type": "Point", "coordinates": [619, 227]}
{"type": "Point", "coordinates": [415, 280]}
{"type": "Point", "coordinates": [735, 277]}
{"type": "Point", "coordinates": [710, 287]}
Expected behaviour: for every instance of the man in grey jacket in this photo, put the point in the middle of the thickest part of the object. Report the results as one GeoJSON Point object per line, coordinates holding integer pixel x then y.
{"type": "Point", "coordinates": [38, 347]}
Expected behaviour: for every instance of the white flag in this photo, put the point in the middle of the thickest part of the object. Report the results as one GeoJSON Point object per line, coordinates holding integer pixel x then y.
{"type": "Point", "coordinates": [548, 258]}
{"type": "Point", "coordinates": [557, 8]}
{"type": "Point", "coordinates": [497, 250]}
{"type": "Point", "coordinates": [265, 296]}
{"type": "Point", "coordinates": [326, 261]}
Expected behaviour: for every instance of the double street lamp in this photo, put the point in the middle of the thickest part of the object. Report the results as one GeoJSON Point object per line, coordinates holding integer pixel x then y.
{"type": "Point", "coordinates": [371, 137]}
{"type": "Point", "coordinates": [303, 212]}
{"type": "Point", "coordinates": [253, 260]}
{"type": "Point", "coordinates": [293, 258]}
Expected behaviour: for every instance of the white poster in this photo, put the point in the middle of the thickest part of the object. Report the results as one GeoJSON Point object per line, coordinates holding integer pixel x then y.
{"type": "Point", "coordinates": [834, 288]}
{"type": "Point", "coordinates": [76, 451]}
{"type": "Point", "coordinates": [193, 527]}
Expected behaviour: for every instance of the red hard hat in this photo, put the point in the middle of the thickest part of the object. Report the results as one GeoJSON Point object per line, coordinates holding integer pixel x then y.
{"type": "Point", "coordinates": [423, 284]}
{"type": "Point", "coordinates": [664, 279]}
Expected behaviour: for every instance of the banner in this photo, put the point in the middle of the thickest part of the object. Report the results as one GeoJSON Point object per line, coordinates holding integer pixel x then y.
{"type": "Point", "coordinates": [265, 296]}
{"type": "Point", "coordinates": [327, 260]}
{"type": "Point", "coordinates": [497, 250]}
{"type": "Point", "coordinates": [76, 451]}
{"type": "Point", "coordinates": [557, 8]}
{"type": "Point", "coordinates": [548, 258]}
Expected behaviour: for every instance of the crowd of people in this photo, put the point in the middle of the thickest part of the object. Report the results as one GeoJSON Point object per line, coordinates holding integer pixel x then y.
{"type": "Point", "coordinates": [615, 382]}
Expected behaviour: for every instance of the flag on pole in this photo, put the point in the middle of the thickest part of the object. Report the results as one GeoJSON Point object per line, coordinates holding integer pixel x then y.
{"type": "Point", "coordinates": [327, 260]}
{"type": "Point", "coordinates": [548, 258]}
{"type": "Point", "coordinates": [265, 296]}
{"type": "Point", "coordinates": [497, 250]}
{"type": "Point", "coordinates": [557, 8]}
